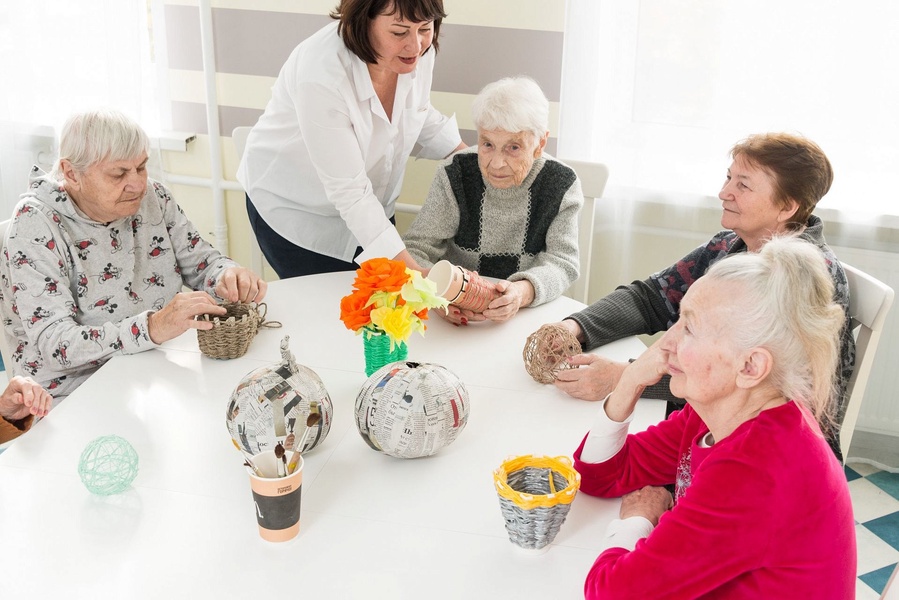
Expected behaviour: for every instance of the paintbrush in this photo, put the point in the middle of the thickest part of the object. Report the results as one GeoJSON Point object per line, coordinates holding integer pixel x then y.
{"type": "Point", "coordinates": [248, 458]}
{"type": "Point", "coordinates": [311, 421]}
{"type": "Point", "coordinates": [280, 460]}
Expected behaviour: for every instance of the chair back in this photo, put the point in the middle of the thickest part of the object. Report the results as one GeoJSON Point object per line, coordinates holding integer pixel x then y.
{"type": "Point", "coordinates": [869, 303]}
{"type": "Point", "coordinates": [593, 178]}
{"type": "Point", "coordinates": [7, 343]}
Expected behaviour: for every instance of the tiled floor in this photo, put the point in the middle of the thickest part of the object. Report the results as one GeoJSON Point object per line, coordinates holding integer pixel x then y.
{"type": "Point", "coordinates": [875, 499]}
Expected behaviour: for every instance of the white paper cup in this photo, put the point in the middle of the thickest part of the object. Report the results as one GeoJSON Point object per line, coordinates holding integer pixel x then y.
{"type": "Point", "coordinates": [448, 279]}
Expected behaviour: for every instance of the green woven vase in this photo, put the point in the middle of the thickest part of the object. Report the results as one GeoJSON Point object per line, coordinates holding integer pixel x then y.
{"type": "Point", "coordinates": [378, 353]}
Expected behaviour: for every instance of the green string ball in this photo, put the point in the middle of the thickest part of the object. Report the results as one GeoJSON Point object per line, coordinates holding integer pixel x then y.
{"type": "Point", "coordinates": [108, 465]}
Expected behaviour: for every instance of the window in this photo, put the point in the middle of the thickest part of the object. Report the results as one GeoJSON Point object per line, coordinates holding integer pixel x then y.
{"type": "Point", "coordinates": [661, 89]}
{"type": "Point", "coordinates": [58, 57]}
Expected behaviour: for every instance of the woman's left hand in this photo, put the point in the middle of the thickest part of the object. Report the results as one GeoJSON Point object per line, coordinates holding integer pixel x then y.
{"type": "Point", "coordinates": [514, 296]}
{"type": "Point", "coordinates": [239, 284]}
{"type": "Point", "coordinates": [649, 502]}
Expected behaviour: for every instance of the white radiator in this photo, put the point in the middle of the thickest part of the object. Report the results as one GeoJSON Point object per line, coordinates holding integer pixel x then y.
{"type": "Point", "coordinates": [880, 407]}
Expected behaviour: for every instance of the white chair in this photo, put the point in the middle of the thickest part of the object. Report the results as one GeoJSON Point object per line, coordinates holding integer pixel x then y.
{"type": "Point", "coordinates": [869, 303]}
{"type": "Point", "coordinates": [593, 178]}
{"type": "Point", "coordinates": [6, 342]}
{"type": "Point", "coordinates": [239, 137]}
{"type": "Point", "coordinates": [891, 589]}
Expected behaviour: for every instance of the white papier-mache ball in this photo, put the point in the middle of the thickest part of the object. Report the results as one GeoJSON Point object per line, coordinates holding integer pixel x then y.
{"type": "Point", "coordinates": [272, 404]}
{"type": "Point", "coordinates": [409, 409]}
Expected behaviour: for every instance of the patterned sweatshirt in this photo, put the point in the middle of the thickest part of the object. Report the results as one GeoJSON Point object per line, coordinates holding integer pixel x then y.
{"type": "Point", "coordinates": [526, 232]}
{"type": "Point", "coordinates": [763, 513]}
{"type": "Point", "coordinates": [653, 305]}
{"type": "Point", "coordinates": [74, 292]}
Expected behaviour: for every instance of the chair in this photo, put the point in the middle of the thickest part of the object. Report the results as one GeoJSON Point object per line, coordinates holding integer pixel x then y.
{"type": "Point", "coordinates": [593, 178]}
{"type": "Point", "coordinates": [239, 137]}
{"type": "Point", "coordinates": [869, 303]}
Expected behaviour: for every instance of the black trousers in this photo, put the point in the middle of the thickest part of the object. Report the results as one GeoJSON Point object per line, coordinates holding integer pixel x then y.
{"type": "Point", "coordinates": [288, 259]}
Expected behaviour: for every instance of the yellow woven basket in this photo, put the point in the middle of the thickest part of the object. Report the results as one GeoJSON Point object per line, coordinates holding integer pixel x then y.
{"type": "Point", "coordinates": [535, 494]}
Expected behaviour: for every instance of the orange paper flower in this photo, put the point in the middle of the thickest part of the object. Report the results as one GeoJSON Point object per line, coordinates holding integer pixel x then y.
{"type": "Point", "coordinates": [355, 311]}
{"type": "Point", "coordinates": [381, 275]}
{"type": "Point", "coordinates": [389, 299]}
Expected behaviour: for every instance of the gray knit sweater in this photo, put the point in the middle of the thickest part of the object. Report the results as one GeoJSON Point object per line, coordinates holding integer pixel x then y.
{"type": "Point", "coordinates": [526, 232]}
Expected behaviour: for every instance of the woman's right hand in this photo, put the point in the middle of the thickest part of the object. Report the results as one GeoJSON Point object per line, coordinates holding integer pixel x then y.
{"type": "Point", "coordinates": [179, 314]}
{"type": "Point", "coordinates": [647, 370]}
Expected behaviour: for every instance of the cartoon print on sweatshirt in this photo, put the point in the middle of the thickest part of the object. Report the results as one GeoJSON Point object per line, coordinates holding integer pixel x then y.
{"type": "Point", "coordinates": [84, 292]}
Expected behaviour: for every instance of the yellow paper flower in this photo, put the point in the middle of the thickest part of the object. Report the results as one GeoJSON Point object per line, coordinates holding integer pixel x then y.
{"type": "Point", "coordinates": [395, 322]}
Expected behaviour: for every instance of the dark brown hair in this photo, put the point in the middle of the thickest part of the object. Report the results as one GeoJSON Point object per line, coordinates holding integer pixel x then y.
{"type": "Point", "coordinates": [355, 18]}
{"type": "Point", "coordinates": [799, 167]}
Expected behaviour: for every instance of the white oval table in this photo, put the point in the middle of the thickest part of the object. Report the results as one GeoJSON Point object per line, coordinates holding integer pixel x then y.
{"type": "Point", "coordinates": [372, 526]}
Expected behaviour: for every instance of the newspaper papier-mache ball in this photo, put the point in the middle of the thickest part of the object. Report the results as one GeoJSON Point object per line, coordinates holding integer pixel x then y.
{"type": "Point", "coordinates": [272, 404]}
{"type": "Point", "coordinates": [410, 410]}
{"type": "Point", "coordinates": [547, 350]}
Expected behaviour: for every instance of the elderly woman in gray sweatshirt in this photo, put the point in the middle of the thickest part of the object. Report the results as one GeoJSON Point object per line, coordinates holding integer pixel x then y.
{"type": "Point", "coordinates": [505, 209]}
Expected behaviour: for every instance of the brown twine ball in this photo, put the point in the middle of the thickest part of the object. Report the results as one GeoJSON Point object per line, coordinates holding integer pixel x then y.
{"type": "Point", "coordinates": [547, 350]}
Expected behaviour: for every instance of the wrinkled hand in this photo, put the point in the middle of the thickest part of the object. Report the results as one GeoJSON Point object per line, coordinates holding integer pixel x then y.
{"type": "Point", "coordinates": [514, 296]}
{"type": "Point", "coordinates": [459, 316]}
{"type": "Point", "coordinates": [177, 316]}
{"type": "Point", "coordinates": [649, 367]}
{"type": "Point", "coordinates": [592, 378]}
{"type": "Point", "coordinates": [239, 284]}
{"type": "Point", "coordinates": [649, 502]}
{"type": "Point", "coordinates": [22, 397]}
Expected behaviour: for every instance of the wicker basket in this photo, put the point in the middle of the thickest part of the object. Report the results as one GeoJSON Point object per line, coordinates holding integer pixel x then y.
{"type": "Point", "coordinates": [535, 494]}
{"type": "Point", "coordinates": [231, 335]}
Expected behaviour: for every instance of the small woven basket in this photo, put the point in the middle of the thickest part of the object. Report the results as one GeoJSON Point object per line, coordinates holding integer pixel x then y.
{"type": "Point", "coordinates": [231, 335]}
{"type": "Point", "coordinates": [535, 494]}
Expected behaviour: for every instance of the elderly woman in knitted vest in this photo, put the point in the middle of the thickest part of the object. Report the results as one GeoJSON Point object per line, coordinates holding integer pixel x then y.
{"type": "Point", "coordinates": [505, 209]}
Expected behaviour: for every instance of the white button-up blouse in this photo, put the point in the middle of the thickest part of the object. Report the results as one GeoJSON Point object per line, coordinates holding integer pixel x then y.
{"type": "Point", "coordinates": [324, 165]}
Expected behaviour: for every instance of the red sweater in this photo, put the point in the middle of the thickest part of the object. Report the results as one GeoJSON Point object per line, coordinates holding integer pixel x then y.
{"type": "Point", "coordinates": [763, 513]}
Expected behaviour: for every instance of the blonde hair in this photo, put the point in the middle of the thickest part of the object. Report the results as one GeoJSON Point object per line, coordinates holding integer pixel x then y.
{"type": "Point", "coordinates": [94, 136]}
{"type": "Point", "coordinates": [786, 306]}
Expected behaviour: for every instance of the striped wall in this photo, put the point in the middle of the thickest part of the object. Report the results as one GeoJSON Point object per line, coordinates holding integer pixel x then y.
{"type": "Point", "coordinates": [480, 42]}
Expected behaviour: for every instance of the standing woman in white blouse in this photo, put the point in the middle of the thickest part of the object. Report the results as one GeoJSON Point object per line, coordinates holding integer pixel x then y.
{"type": "Point", "coordinates": [324, 164]}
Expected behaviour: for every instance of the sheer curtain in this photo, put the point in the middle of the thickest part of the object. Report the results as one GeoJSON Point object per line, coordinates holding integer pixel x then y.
{"type": "Point", "coordinates": [58, 57]}
{"type": "Point", "coordinates": [660, 89]}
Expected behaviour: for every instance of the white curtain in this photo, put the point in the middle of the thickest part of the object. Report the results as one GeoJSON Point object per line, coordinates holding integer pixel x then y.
{"type": "Point", "coordinates": [661, 89]}
{"type": "Point", "coordinates": [61, 56]}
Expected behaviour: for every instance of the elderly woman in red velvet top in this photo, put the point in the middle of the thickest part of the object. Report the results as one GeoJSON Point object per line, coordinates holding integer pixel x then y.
{"type": "Point", "coordinates": [761, 506]}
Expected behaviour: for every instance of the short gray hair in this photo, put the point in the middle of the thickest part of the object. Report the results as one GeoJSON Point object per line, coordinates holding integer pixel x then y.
{"type": "Point", "coordinates": [785, 304]}
{"type": "Point", "coordinates": [512, 104]}
{"type": "Point", "coordinates": [94, 136]}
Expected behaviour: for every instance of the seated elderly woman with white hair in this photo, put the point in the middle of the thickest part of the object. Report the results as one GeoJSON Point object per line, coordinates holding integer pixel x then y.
{"type": "Point", "coordinates": [96, 258]}
{"type": "Point", "coordinates": [761, 506]}
{"type": "Point", "coordinates": [504, 209]}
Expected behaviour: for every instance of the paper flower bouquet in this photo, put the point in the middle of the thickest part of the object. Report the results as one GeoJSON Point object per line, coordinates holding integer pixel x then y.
{"type": "Point", "coordinates": [387, 304]}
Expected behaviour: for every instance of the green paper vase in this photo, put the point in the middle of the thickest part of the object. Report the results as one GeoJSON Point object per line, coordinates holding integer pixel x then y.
{"type": "Point", "coordinates": [378, 353]}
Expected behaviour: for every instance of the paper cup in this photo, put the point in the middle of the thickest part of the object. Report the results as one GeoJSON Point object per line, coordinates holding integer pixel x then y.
{"type": "Point", "coordinates": [462, 287]}
{"type": "Point", "coordinates": [448, 279]}
{"type": "Point", "coordinates": [276, 499]}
